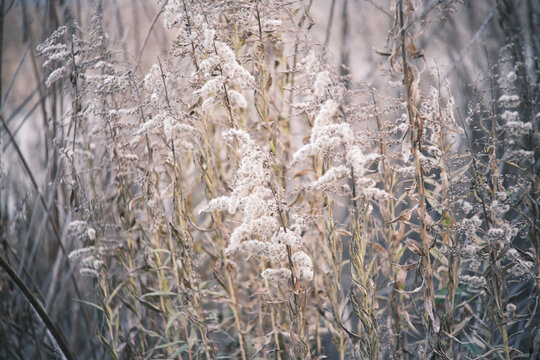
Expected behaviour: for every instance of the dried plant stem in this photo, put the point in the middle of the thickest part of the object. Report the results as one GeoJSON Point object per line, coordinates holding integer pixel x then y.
{"type": "Point", "coordinates": [45, 206]}
{"type": "Point", "coordinates": [182, 218]}
{"type": "Point", "coordinates": [112, 327]}
{"type": "Point", "coordinates": [416, 139]}
{"type": "Point", "coordinates": [289, 250]}
{"type": "Point", "coordinates": [297, 310]}
{"type": "Point", "coordinates": [164, 84]}
{"type": "Point", "coordinates": [2, 5]}
{"type": "Point", "coordinates": [273, 319]}
{"type": "Point", "coordinates": [234, 308]}
{"type": "Point", "coordinates": [35, 67]}
{"type": "Point", "coordinates": [147, 36]}
{"type": "Point", "coordinates": [55, 332]}
{"type": "Point", "coordinates": [498, 282]}
{"type": "Point", "coordinates": [448, 238]}
{"type": "Point", "coordinates": [390, 233]}
{"type": "Point", "coordinates": [263, 85]}
{"type": "Point", "coordinates": [211, 181]}
{"type": "Point", "coordinates": [329, 24]}
{"type": "Point", "coordinates": [188, 23]}
{"type": "Point", "coordinates": [188, 339]}
{"type": "Point", "coordinates": [294, 61]}
{"type": "Point", "coordinates": [76, 102]}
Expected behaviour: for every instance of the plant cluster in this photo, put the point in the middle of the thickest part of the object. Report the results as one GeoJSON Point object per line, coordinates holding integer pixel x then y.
{"type": "Point", "coordinates": [240, 198]}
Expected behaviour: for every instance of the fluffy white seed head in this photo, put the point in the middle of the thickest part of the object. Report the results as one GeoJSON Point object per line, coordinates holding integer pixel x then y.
{"type": "Point", "coordinates": [77, 254]}
{"type": "Point", "coordinates": [211, 87]}
{"type": "Point", "coordinates": [331, 177]}
{"type": "Point", "coordinates": [281, 275]}
{"type": "Point", "coordinates": [509, 101]}
{"type": "Point", "coordinates": [91, 233]}
{"type": "Point", "coordinates": [237, 99]}
{"type": "Point", "coordinates": [286, 238]}
{"type": "Point", "coordinates": [327, 112]}
{"type": "Point", "coordinates": [56, 75]}
{"type": "Point", "coordinates": [303, 265]}
{"type": "Point", "coordinates": [478, 282]}
{"type": "Point", "coordinates": [322, 83]}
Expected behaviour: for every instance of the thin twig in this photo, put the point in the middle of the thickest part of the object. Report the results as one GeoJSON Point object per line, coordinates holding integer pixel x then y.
{"type": "Point", "coordinates": [164, 83]}
{"type": "Point", "coordinates": [23, 121]}
{"type": "Point", "coordinates": [154, 20]}
{"type": "Point", "coordinates": [471, 42]}
{"type": "Point", "coordinates": [12, 81]}
{"type": "Point", "coordinates": [329, 26]}
{"type": "Point", "coordinates": [24, 103]}
{"type": "Point", "coordinates": [380, 8]}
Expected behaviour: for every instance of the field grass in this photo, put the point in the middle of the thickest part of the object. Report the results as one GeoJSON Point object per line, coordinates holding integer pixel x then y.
{"type": "Point", "coordinates": [193, 179]}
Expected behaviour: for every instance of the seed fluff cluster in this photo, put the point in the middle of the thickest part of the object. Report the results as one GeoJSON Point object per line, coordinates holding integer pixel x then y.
{"type": "Point", "coordinates": [260, 234]}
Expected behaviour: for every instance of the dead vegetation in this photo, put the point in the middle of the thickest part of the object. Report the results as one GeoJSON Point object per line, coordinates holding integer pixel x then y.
{"type": "Point", "coordinates": [209, 185]}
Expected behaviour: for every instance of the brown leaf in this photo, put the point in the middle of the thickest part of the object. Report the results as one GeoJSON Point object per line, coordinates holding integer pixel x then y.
{"type": "Point", "coordinates": [261, 291]}
{"type": "Point", "coordinates": [342, 232]}
{"type": "Point", "coordinates": [302, 173]}
{"type": "Point", "coordinates": [414, 247]}
{"type": "Point", "coordinates": [378, 247]}
{"type": "Point", "coordinates": [407, 267]}
{"type": "Point", "coordinates": [269, 83]}
{"type": "Point", "coordinates": [405, 216]}
{"type": "Point", "coordinates": [400, 279]}
{"type": "Point", "coordinates": [415, 290]}
{"type": "Point", "coordinates": [382, 53]}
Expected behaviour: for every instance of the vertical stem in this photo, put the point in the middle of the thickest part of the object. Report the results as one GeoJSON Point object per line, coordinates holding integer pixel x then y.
{"type": "Point", "coordinates": [2, 3]}
{"type": "Point", "coordinates": [448, 238]}
{"type": "Point", "coordinates": [55, 332]}
{"type": "Point", "coordinates": [416, 139]}
{"type": "Point", "coordinates": [387, 216]}
{"type": "Point", "coordinates": [329, 26]}
{"type": "Point", "coordinates": [345, 47]}
{"type": "Point", "coordinates": [232, 291]}
{"type": "Point", "coordinates": [274, 326]}
{"type": "Point", "coordinates": [180, 208]}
